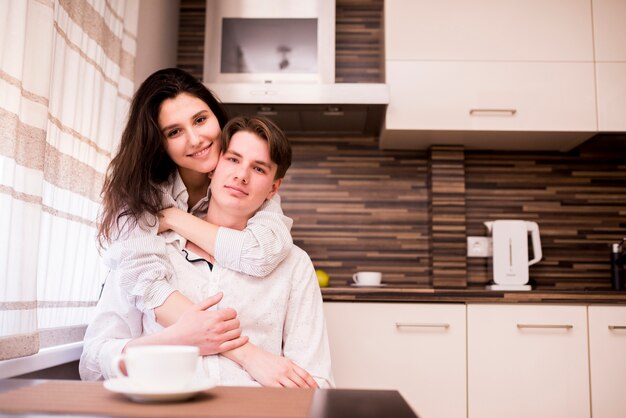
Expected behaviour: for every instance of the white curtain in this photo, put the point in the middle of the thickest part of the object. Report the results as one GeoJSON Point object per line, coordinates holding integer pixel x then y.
{"type": "Point", "coordinates": [66, 71]}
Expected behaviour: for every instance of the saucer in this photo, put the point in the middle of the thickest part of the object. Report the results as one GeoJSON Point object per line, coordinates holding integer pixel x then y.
{"type": "Point", "coordinates": [368, 285]}
{"type": "Point", "coordinates": [122, 385]}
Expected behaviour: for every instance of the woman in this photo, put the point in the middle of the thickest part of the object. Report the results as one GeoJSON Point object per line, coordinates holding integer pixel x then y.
{"type": "Point", "coordinates": [169, 146]}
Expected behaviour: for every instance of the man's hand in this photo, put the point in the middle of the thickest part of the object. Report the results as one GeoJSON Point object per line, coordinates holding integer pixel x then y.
{"type": "Point", "coordinates": [276, 371]}
{"type": "Point", "coordinates": [212, 331]}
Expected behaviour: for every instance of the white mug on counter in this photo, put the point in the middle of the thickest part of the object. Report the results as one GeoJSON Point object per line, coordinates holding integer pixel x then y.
{"type": "Point", "coordinates": [166, 368]}
{"type": "Point", "coordinates": [367, 278]}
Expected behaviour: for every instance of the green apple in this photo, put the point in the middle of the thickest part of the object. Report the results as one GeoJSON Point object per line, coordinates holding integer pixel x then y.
{"type": "Point", "coordinates": [322, 278]}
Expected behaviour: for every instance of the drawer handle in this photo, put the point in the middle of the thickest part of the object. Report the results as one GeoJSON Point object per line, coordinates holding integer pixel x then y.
{"type": "Point", "coordinates": [520, 326]}
{"type": "Point", "coordinates": [616, 327]}
{"type": "Point", "coordinates": [492, 112]}
{"type": "Point", "coordinates": [420, 325]}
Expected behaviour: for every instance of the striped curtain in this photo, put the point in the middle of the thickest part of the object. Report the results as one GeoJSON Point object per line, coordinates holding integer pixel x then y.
{"type": "Point", "coordinates": [66, 71]}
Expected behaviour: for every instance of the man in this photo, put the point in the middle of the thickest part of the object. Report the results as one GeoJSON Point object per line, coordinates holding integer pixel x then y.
{"type": "Point", "coordinates": [281, 314]}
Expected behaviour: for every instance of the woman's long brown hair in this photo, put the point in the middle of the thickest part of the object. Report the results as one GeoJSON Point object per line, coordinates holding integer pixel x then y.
{"type": "Point", "coordinates": [131, 185]}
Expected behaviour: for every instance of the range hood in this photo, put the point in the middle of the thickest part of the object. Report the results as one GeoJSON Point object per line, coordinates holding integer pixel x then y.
{"type": "Point", "coordinates": [277, 58]}
{"type": "Point", "coordinates": [310, 109]}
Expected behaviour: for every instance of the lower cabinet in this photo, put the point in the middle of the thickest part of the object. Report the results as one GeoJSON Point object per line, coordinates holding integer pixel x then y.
{"type": "Point", "coordinates": [418, 349]}
{"type": "Point", "coordinates": [607, 352]}
{"type": "Point", "coordinates": [527, 361]}
{"type": "Point", "coordinates": [485, 360]}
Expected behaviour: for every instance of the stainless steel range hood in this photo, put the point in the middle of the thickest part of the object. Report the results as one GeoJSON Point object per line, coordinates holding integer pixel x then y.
{"type": "Point", "coordinates": [304, 109]}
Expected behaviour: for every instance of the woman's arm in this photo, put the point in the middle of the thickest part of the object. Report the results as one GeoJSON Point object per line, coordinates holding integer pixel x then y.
{"type": "Point", "coordinates": [256, 251]}
{"type": "Point", "coordinates": [118, 323]}
{"type": "Point", "coordinates": [140, 261]}
{"type": "Point", "coordinates": [194, 229]}
{"type": "Point", "coordinates": [211, 331]}
{"type": "Point", "coordinates": [142, 265]}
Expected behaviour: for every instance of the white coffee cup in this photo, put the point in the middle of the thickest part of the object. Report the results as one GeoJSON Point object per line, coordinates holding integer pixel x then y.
{"type": "Point", "coordinates": [166, 368]}
{"type": "Point", "coordinates": [367, 278]}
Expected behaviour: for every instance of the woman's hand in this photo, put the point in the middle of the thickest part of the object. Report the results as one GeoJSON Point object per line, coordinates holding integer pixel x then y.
{"type": "Point", "coordinates": [211, 331]}
{"type": "Point", "coordinates": [165, 219]}
{"type": "Point", "coordinates": [276, 371]}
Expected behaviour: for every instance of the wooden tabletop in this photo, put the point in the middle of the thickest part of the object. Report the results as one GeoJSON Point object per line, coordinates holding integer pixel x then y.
{"type": "Point", "coordinates": [25, 397]}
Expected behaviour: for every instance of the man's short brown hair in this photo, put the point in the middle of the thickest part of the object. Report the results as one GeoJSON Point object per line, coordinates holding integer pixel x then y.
{"type": "Point", "coordinates": [280, 148]}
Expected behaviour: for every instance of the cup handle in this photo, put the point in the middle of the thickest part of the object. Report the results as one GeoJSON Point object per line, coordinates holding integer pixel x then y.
{"type": "Point", "coordinates": [115, 365]}
{"type": "Point", "coordinates": [355, 278]}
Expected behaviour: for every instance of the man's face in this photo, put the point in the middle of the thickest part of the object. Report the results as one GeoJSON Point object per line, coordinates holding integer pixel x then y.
{"type": "Point", "coordinates": [244, 177]}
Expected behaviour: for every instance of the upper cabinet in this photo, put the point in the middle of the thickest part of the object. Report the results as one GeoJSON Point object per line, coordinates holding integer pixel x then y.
{"type": "Point", "coordinates": [610, 56]}
{"type": "Point", "coordinates": [500, 96]}
{"type": "Point", "coordinates": [489, 74]}
{"type": "Point", "coordinates": [487, 30]}
{"type": "Point", "coordinates": [609, 30]}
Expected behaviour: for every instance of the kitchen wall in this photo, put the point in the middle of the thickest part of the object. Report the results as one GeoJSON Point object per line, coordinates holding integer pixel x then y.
{"type": "Point", "coordinates": [578, 198]}
{"type": "Point", "coordinates": [357, 207]}
{"type": "Point", "coordinates": [408, 213]}
{"type": "Point", "coordinates": [157, 36]}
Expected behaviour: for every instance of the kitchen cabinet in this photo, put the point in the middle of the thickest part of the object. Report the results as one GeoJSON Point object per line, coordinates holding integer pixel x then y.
{"type": "Point", "coordinates": [529, 360]}
{"type": "Point", "coordinates": [488, 67]}
{"type": "Point", "coordinates": [496, 96]}
{"type": "Point", "coordinates": [607, 345]}
{"type": "Point", "coordinates": [609, 30]}
{"type": "Point", "coordinates": [487, 30]}
{"type": "Point", "coordinates": [418, 349]}
{"type": "Point", "coordinates": [610, 56]}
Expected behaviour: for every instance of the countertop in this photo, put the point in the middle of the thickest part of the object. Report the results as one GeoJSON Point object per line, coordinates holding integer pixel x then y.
{"type": "Point", "coordinates": [408, 293]}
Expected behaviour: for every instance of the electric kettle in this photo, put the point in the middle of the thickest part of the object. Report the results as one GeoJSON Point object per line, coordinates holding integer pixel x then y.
{"type": "Point", "coordinates": [510, 253]}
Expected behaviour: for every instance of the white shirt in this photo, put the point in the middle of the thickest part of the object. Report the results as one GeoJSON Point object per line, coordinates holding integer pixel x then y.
{"type": "Point", "coordinates": [140, 258]}
{"type": "Point", "coordinates": [281, 313]}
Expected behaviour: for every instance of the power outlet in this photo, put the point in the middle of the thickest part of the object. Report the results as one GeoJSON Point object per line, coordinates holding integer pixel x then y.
{"type": "Point", "coordinates": [479, 247]}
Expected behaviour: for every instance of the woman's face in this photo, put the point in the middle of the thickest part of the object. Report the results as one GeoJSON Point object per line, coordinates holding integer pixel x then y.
{"type": "Point", "coordinates": [191, 133]}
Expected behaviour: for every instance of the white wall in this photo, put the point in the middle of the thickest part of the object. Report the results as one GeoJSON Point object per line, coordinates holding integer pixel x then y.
{"type": "Point", "coordinates": [157, 37]}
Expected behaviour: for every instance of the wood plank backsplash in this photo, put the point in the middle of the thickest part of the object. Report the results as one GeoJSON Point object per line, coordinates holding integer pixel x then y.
{"type": "Point", "coordinates": [359, 41]}
{"type": "Point", "coordinates": [407, 214]}
{"type": "Point", "coordinates": [356, 207]}
{"type": "Point", "coordinates": [578, 199]}
{"type": "Point", "coordinates": [446, 182]}
{"type": "Point", "coordinates": [191, 18]}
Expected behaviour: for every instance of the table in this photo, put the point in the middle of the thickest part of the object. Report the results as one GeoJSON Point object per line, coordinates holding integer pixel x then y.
{"type": "Point", "coordinates": [45, 398]}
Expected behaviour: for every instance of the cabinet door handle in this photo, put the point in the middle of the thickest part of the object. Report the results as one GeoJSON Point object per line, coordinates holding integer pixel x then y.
{"type": "Point", "coordinates": [542, 326]}
{"type": "Point", "coordinates": [616, 327]}
{"type": "Point", "coordinates": [492, 112]}
{"type": "Point", "coordinates": [421, 325]}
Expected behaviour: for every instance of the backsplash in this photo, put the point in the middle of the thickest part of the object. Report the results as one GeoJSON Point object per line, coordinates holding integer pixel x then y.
{"type": "Point", "coordinates": [190, 55]}
{"type": "Point", "coordinates": [577, 198]}
{"type": "Point", "coordinates": [357, 207]}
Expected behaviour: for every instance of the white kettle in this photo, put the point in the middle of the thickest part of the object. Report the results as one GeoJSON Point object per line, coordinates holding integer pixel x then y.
{"type": "Point", "coordinates": [510, 253]}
